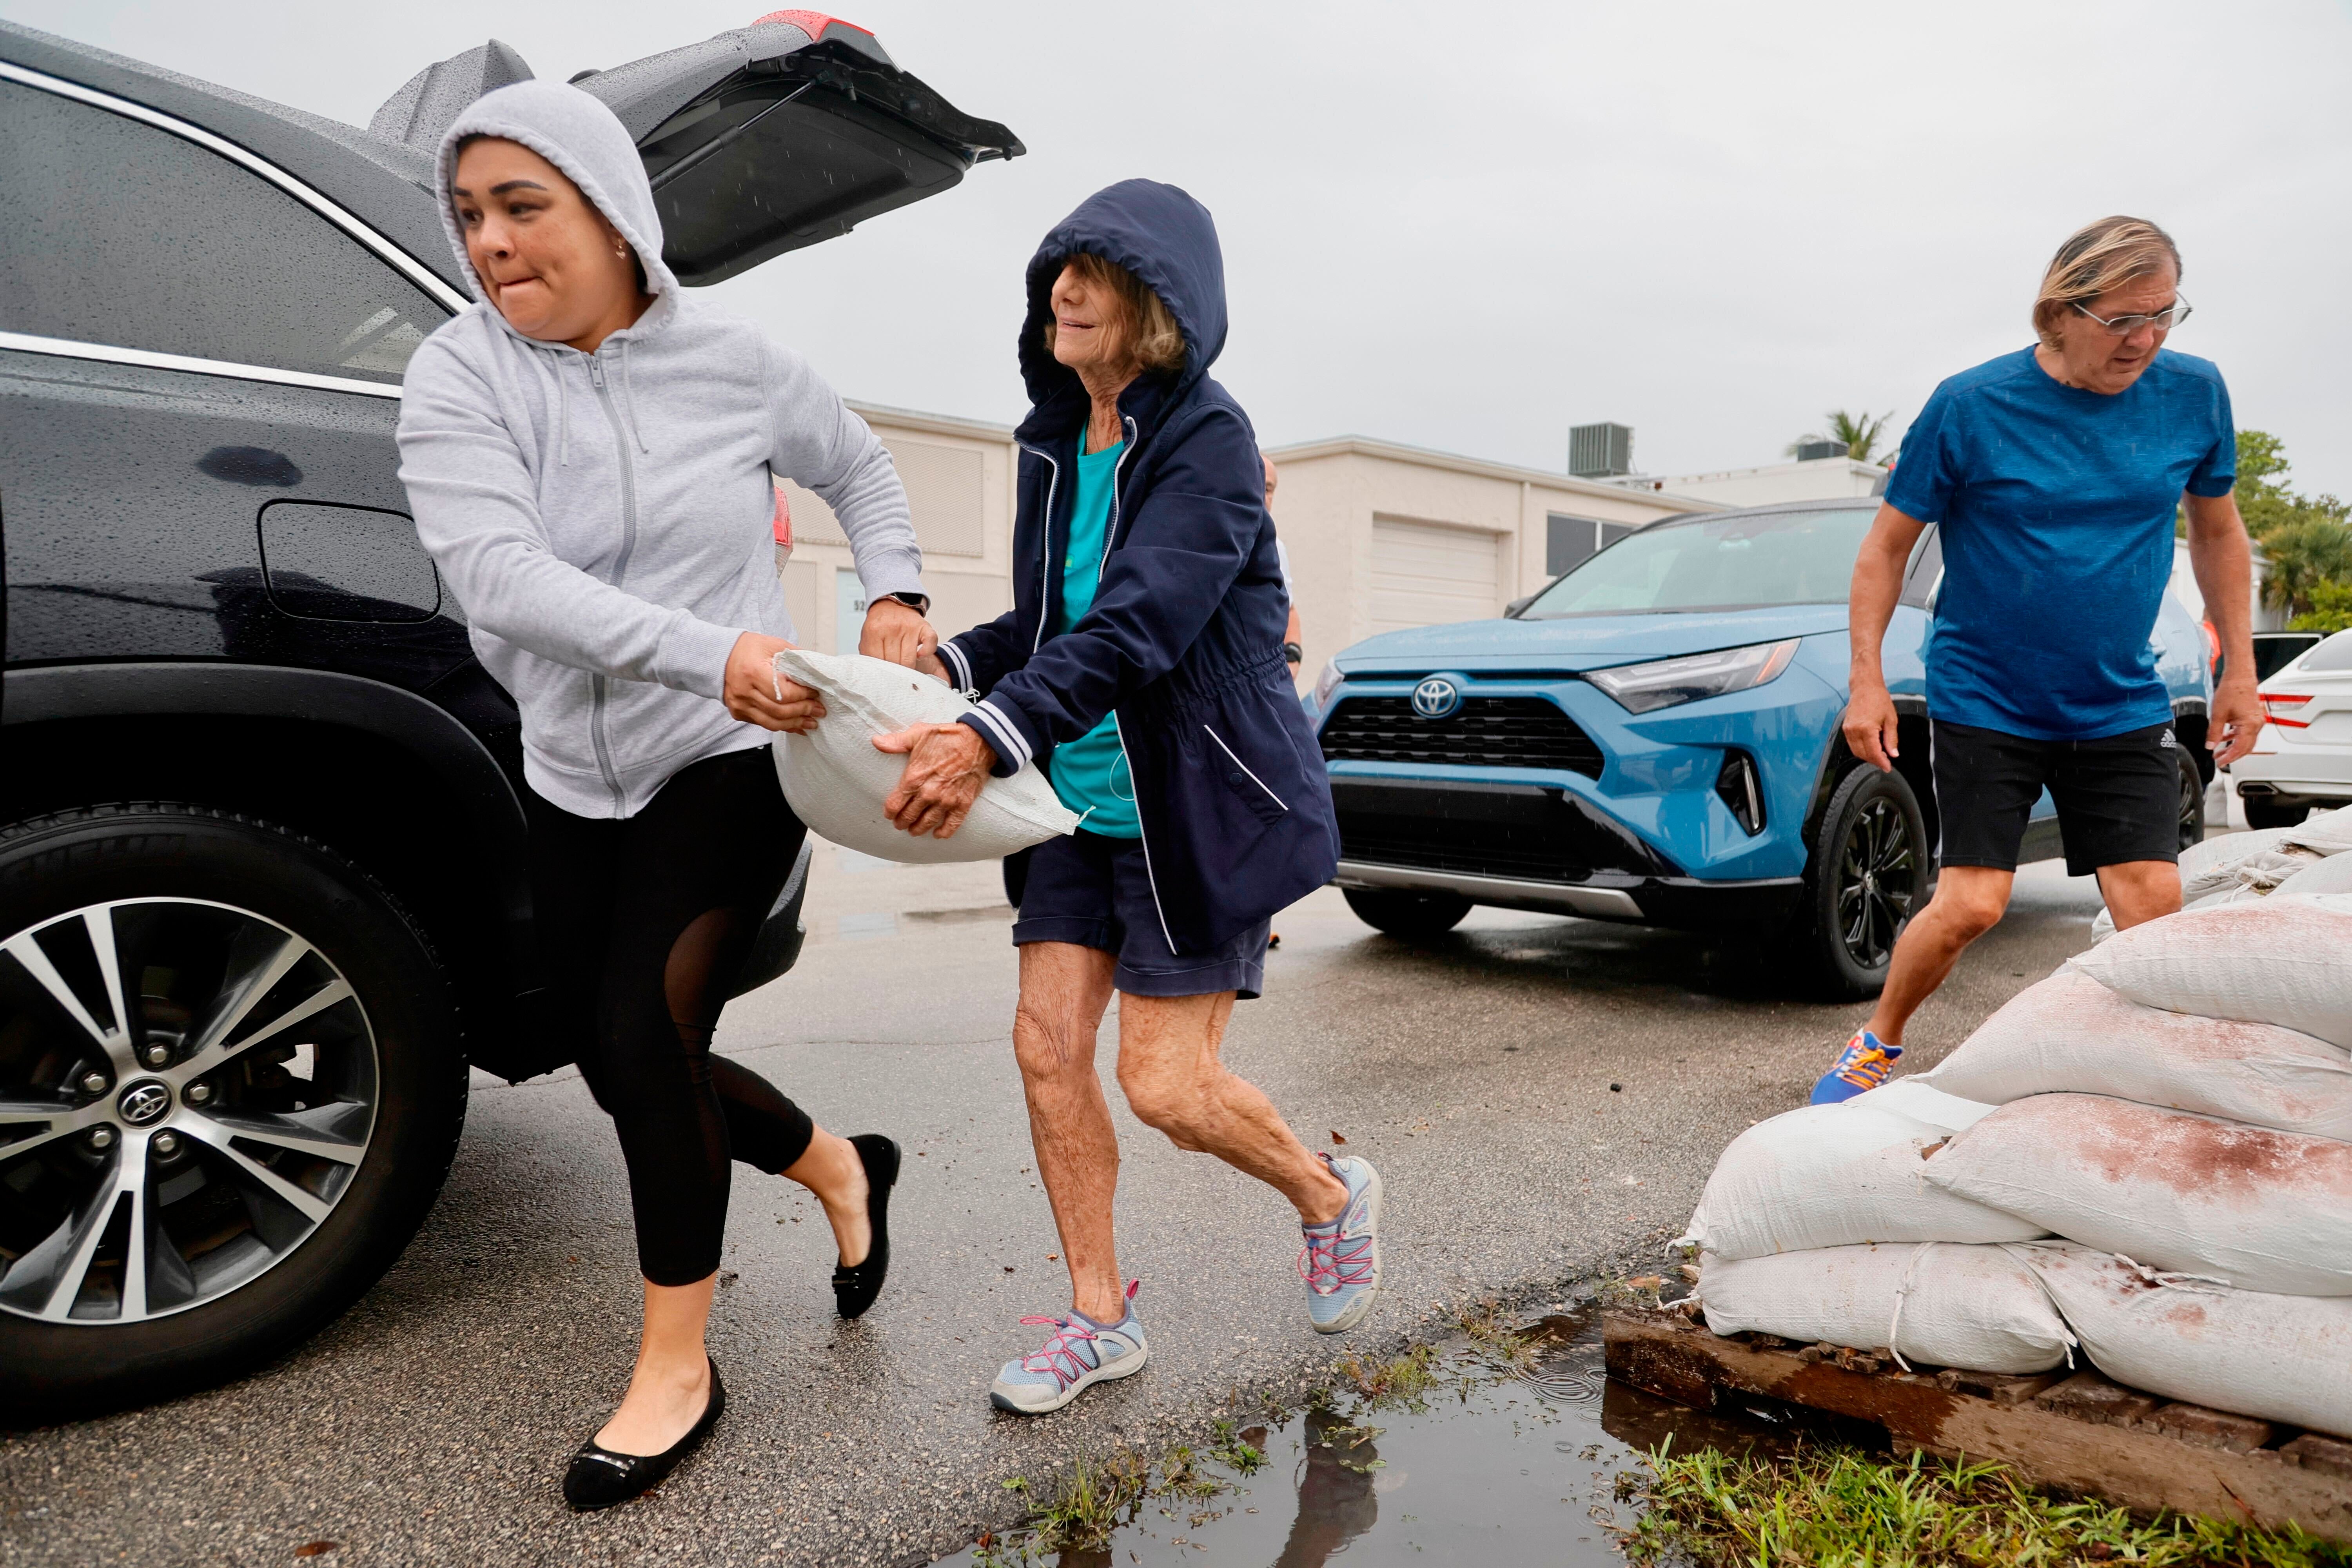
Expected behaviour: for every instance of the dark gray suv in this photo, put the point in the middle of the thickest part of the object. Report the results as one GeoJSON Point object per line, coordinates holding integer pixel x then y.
{"type": "Point", "coordinates": [262, 883]}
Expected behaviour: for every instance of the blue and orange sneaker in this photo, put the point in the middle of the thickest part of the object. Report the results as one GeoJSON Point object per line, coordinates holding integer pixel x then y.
{"type": "Point", "coordinates": [1862, 1066]}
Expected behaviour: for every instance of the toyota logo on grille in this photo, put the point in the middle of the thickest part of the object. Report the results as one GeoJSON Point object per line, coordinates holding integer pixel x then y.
{"type": "Point", "coordinates": [144, 1102]}
{"type": "Point", "coordinates": [1436, 698]}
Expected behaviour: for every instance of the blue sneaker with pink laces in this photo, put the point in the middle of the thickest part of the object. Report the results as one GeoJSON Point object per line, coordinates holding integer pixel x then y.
{"type": "Point", "coordinates": [1341, 1259]}
{"type": "Point", "coordinates": [1862, 1067]}
{"type": "Point", "coordinates": [1078, 1353]}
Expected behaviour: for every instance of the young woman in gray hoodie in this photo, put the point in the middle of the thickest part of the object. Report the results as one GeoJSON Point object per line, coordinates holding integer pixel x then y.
{"type": "Point", "coordinates": [590, 460]}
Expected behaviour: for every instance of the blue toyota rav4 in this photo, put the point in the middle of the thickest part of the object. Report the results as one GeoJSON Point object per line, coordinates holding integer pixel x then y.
{"type": "Point", "coordinates": [1655, 737]}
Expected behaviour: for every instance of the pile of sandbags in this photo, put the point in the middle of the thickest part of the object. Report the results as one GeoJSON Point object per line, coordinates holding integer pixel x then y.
{"type": "Point", "coordinates": [2309, 858]}
{"type": "Point", "coordinates": [2146, 1159]}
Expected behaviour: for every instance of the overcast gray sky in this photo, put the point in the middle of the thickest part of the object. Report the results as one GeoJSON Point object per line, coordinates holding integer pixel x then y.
{"type": "Point", "coordinates": [1470, 227]}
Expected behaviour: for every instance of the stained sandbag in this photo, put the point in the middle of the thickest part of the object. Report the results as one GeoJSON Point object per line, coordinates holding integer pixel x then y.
{"type": "Point", "coordinates": [2276, 1358]}
{"type": "Point", "coordinates": [1922, 1100]}
{"type": "Point", "coordinates": [836, 781]}
{"type": "Point", "coordinates": [2256, 1209]}
{"type": "Point", "coordinates": [2322, 832]}
{"type": "Point", "coordinates": [1835, 1175]}
{"type": "Point", "coordinates": [2331, 878]}
{"type": "Point", "coordinates": [2071, 1035]}
{"type": "Point", "coordinates": [2268, 961]}
{"type": "Point", "coordinates": [1933, 1303]}
{"type": "Point", "coordinates": [2235, 859]}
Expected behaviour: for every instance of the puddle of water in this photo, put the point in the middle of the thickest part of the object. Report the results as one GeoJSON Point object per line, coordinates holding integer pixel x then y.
{"type": "Point", "coordinates": [1494, 1467]}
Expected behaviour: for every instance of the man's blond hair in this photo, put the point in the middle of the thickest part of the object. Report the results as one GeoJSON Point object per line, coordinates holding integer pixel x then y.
{"type": "Point", "coordinates": [2099, 257]}
{"type": "Point", "coordinates": [1147, 332]}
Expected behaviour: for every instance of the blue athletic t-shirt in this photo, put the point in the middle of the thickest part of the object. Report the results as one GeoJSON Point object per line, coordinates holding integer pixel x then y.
{"type": "Point", "coordinates": [1090, 774]}
{"type": "Point", "coordinates": [2056, 507]}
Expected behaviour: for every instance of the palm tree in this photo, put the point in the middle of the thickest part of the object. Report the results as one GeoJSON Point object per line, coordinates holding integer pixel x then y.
{"type": "Point", "coordinates": [1859, 434]}
{"type": "Point", "coordinates": [2303, 554]}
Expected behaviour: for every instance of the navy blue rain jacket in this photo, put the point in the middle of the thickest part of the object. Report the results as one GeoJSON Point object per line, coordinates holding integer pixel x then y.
{"type": "Point", "coordinates": [1183, 641]}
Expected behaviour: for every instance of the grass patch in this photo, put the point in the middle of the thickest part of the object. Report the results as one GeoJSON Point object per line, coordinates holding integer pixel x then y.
{"type": "Point", "coordinates": [1832, 1508]}
{"type": "Point", "coordinates": [1401, 1382]}
{"type": "Point", "coordinates": [1099, 1496]}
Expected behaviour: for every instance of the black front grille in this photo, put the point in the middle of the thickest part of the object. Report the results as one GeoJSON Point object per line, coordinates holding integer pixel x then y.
{"type": "Point", "coordinates": [1485, 732]}
{"type": "Point", "coordinates": [1524, 831]}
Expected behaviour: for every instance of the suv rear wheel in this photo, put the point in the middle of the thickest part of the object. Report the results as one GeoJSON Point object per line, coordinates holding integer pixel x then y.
{"type": "Point", "coordinates": [231, 1084]}
{"type": "Point", "coordinates": [1866, 874]}
{"type": "Point", "coordinates": [1413, 916]}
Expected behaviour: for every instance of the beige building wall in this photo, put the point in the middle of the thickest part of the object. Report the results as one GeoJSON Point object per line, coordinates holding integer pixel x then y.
{"type": "Point", "coordinates": [960, 475]}
{"type": "Point", "coordinates": [1382, 535]}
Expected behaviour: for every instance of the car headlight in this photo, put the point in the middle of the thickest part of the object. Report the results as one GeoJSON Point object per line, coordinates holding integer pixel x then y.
{"type": "Point", "coordinates": [1326, 683]}
{"type": "Point", "coordinates": [1664, 682]}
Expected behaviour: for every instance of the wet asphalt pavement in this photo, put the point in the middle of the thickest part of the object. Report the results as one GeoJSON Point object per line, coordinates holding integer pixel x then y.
{"type": "Point", "coordinates": [1544, 1097]}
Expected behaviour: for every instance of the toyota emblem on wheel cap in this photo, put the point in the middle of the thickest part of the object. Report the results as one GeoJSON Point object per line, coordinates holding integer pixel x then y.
{"type": "Point", "coordinates": [144, 1102]}
{"type": "Point", "coordinates": [1436, 698]}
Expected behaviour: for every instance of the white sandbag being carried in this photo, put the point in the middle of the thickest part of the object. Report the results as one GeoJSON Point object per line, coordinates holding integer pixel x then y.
{"type": "Point", "coordinates": [1935, 1304]}
{"type": "Point", "coordinates": [836, 781]}
{"type": "Point", "coordinates": [2256, 1209]}
{"type": "Point", "coordinates": [2069, 1034]}
{"type": "Point", "coordinates": [2277, 1358]}
{"type": "Point", "coordinates": [2286, 964]}
{"type": "Point", "coordinates": [1835, 1175]}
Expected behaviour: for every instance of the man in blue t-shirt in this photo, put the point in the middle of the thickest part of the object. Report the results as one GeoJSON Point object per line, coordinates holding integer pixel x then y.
{"type": "Point", "coordinates": [2054, 473]}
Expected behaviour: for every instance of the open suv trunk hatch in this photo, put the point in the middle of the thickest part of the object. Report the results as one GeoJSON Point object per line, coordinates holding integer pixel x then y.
{"type": "Point", "coordinates": [759, 141]}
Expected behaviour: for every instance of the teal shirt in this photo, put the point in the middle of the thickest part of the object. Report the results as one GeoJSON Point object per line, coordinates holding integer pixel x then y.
{"type": "Point", "coordinates": [1090, 774]}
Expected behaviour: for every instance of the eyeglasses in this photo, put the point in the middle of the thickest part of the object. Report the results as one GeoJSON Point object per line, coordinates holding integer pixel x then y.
{"type": "Point", "coordinates": [2162, 321]}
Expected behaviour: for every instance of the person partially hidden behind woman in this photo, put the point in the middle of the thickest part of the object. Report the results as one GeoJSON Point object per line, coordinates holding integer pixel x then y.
{"type": "Point", "coordinates": [588, 458]}
{"type": "Point", "coordinates": [1142, 664]}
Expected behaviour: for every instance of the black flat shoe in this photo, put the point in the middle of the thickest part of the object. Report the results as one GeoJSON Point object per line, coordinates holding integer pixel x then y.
{"type": "Point", "coordinates": [854, 1290]}
{"type": "Point", "coordinates": [599, 1477]}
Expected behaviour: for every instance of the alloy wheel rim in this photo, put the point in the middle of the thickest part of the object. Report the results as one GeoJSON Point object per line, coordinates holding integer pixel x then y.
{"type": "Point", "coordinates": [187, 1090]}
{"type": "Point", "coordinates": [1878, 867]}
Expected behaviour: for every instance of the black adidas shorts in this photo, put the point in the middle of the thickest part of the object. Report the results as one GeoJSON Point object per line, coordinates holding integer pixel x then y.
{"type": "Point", "coordinates": [2118, 797]}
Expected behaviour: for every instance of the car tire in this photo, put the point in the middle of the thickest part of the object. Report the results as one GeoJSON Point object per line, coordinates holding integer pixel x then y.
{"type": "Point", "coordinates": [1414, 917]}
{"type": "Point", "coordinates": [2263, 813]}
{"type": "Point", "coordinates": [2193, 802]}
{"type": "Point", "coordinates": [1868, 870]}
{"type": "Point", "coordinates": [296, 1028]}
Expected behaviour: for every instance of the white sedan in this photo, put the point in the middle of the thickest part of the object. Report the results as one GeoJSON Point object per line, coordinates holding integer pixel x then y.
{"type": "Point", "coordinates": [2304, 756]}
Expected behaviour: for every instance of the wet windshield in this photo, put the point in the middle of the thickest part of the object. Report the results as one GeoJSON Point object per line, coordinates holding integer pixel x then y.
{"type": "Point", "coordinates": [1715, 563]}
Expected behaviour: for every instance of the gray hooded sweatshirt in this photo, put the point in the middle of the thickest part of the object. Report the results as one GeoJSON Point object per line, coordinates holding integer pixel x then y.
{"type": "Point", "coordinates": [605, 519]}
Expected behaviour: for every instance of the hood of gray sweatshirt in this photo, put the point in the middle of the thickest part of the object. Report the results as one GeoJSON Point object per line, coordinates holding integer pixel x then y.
{"type": "Point", "coordinates": [603, 520]}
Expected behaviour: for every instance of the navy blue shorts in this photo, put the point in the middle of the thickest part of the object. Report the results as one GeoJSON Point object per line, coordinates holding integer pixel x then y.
{"type": "Point", "coordinates": [1096, 892]}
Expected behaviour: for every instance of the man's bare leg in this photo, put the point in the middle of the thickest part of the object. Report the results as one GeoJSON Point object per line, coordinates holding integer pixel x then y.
{"type": "Point", "coordinates": [2138, 891]}
{"type": "Point", "coordinates": [1969, 901]}
{"type": "Point", "coordinates": [1175, 1081]}
{"type": "Point", "coordinates": [1064, 989]}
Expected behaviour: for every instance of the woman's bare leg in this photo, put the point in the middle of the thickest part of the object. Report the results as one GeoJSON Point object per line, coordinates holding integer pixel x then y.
{"type": "Point", "coordinates": [1064, 989]}
{"type": "Point", "coordinates": [1175, 1081]}
{"type": "Point", "coordinates": [671, 1386]}
{"type": "Point", "coordinates": [832, 1170]}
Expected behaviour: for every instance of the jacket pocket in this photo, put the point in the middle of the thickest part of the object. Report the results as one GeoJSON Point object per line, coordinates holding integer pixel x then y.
{"type": "Point", "coordinates": [1242, 780]}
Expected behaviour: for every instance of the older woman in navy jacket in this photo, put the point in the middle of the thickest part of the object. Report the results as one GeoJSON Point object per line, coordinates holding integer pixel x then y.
{"type": "Point", "coordinates": [1141, 666]}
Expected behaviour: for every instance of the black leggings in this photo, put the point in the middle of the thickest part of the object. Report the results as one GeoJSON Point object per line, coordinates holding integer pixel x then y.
{"type": "Point", "coordinates": [643, 924]}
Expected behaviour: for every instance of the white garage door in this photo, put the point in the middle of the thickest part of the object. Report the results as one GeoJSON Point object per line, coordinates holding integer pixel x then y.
{"type": "Point", "coordinates": [1424, 575]}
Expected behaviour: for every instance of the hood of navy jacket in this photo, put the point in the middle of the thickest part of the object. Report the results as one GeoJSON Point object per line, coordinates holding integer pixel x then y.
{"type": "Point", "coordinates": [1168, 241]}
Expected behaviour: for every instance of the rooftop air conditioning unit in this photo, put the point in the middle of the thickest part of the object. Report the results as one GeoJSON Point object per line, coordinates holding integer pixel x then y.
{"type": "Point", "coordinates": [1600, 452]}
{"type": "Point", "coordinates": [1813, 451]}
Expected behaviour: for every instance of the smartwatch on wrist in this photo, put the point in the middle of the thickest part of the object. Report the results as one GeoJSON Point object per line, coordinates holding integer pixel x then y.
{"type": "Point", "coordinates": [918, 603]}
{"type": "Point", "coordinates": [1293, 654]}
